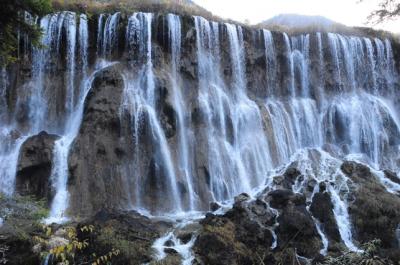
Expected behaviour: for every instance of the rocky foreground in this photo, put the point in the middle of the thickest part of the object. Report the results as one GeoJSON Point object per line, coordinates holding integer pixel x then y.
{"type": "Point", "coordinates": [276, 227]}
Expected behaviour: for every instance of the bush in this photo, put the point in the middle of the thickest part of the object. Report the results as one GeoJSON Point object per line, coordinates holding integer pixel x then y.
{"type": "Point", "coordinates": [129, 6]}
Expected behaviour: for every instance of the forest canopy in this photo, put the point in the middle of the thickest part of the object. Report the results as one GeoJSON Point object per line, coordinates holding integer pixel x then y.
{"type": "Point", "coordinates": [12, 22]}
{"type": "Point", "coordinates": [386, 10]}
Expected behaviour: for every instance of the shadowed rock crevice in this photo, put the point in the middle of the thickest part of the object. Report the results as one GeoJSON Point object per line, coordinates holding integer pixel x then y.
{"type": "Point", "coordinates": [34, 166]}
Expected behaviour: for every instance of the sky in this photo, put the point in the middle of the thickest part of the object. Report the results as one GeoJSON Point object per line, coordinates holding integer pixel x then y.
{"type": "Point", "coordinates": [348, 12]}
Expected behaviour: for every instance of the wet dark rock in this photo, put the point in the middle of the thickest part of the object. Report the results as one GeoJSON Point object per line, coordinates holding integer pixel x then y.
{"type": "Point", "coordinates": [375, 212]}
{"type": "Point", "coordinates": [392, 176]}
{"type": "Point", "coordinates": [34, 166]}
{"type": "Point", "coordinates": [297, 229]}
{"type": "Point", "coordinates": [93, 162]}
{"type": "Point", "coordinates": [241, 236]}
{"type": "Point", "coordinates": [288, 178]}
{"type": "Point", "coordinates": [214, 206]}
{"type": "Point", "coordinates": [241, 198]}
{"type": "Point", "coordinates": [322, 209]}
{"type": "Point", "coordinates": [217, 243]}
{"type": "Point", "coordinates": [21, 222]}
{"type": "Point", "coordinates": [170, 251]}
{"type": "Point", "coordinates": [130, 232]}
{"type": "Point", "coordinates": [279, 199]}
{"type": "Point", "coordinates": [354, 169]}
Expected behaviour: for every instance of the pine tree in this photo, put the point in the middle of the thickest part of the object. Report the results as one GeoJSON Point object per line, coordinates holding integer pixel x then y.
{"type": "Point", "coordinates": [12, 21]}
{"type": "Point", "coordinates": [387, 9]}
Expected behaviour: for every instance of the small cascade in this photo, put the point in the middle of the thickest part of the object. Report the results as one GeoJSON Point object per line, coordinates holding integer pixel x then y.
{"type": "Point", "coordinates": [320, 166]}
{"type": "Point", "coordinates": [300, 46]}
{"type": "Point", "coordinates": [271, 63]}
{"type": "Point", "coordinates": [10, 144]}
{"type": "Point", "coordinates": [41, 60]}
{"type": "Point", "coordinates": [290, 86]}
{"type": "Point", "coordinates": [70, 21]}
{"type": "Point", "coordinates": [320, 86]}
{"type": "Point", "coordinates": [107, 39]}
{"type": "Point", "coordinates": [324, 239]}
{"type": "Point", "coordinates": [3, 91]}
{"type": "Point", "coordinates": [84, 45]}
{"type": "Point", "coordinates": [183, 249]}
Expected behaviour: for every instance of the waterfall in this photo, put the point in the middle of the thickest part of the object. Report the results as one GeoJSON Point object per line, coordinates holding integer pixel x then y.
{"type": "Point", "coordinates": [196, 129]}
{"type": "Point", "coordinates": [238, 153]}
{"type": "Point", "coordinates": [74, 113]}
{"type": "Point", "coordinates": [3, 91]}
{"type": "Point", "coordinates": [271, 62]}
{"type": "Point", "coordinates": [59, 174]}
{"type": "Point", "coordinates": [71, 53]}
{"type": "Point", "coordinates": [84, 44]}
{"type": "Point", "coordinates": [140, 101]}
{"type": "Point", "coordinates": [185, 134]}
{"type": "Point", "coordinates": [107, 38]}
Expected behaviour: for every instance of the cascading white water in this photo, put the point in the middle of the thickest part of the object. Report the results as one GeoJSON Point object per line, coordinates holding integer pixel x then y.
{"type": "Point", "coordinates": [70, 21]}
{"type": "Point", "coordinates": [271, 62]}
{"type": "Point", "coordinates": [238, 154]}
{"type": "Point", "coordinates": [107, 38]}
{"type": "Point", "coordinates": [344, 106]}
{"type": "Point", "coordinates": [84, 44]}
{"type": "Point", "coordinates": [33, 96]}
{"type": "Point", "coordinates": [59, 174]}
{"type": "Point", "coordinates": [139, 101]}
{"type": "Point", "coordinates": [185, 134]}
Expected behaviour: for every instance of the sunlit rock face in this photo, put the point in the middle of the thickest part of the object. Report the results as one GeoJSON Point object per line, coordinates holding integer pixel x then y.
{"type": "Point", "coordinates": [165, 114]}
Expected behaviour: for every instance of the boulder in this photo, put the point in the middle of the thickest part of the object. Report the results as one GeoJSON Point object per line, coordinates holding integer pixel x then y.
{"type": "Point", "coordinates": [297, 229]}
{"type": "Point", "coordinates": [322, 209]}
{"type": "Point", "coordinates": [279, 199]}
{"type": "Point", "coordinates": [128, 231]}
{"type": "Point", "coordinates": [241, 236]}
{"type": "Point", "coordinates": [96, 157]}
{"type": "Point", "coordinates": [287, 180]}
{"type": "Point", "coordinates": [375, 212]}
{"type": "Point", "coordinates": [34, 166]}
{"type": "Point", "coordinates": [392, 176]}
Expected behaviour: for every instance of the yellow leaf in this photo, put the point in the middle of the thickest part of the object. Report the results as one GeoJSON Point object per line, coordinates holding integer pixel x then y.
{"type": "Point", "coordinates": [69, 247]}
{"type": "Point", "coordinates": [48, 231]}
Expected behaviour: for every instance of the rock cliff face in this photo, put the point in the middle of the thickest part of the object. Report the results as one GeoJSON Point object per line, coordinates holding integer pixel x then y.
{"type": "Point", "coordinates": [94, 182]}
{"type": "Point", "coordinates": [34, 166]}
{"type": "Point", "coordinates": [165, 114]}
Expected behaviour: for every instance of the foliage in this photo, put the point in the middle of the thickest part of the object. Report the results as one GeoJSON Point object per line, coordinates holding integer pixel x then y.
{"type": "Point", "coordinates": [13, 22]}
{"type": "Point", "coordinates": [368, 257]}
{"type": "Point", "coordinates": [3, 258]}
{"type": "Point", "coordinates": [181, 7]}
{"type": "Point", "coordinates": [65, 253]}
{"type": "Point", "coordinates": [387, 9]}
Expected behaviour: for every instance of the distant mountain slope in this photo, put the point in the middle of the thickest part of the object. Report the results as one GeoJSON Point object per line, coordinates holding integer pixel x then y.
{"type": "Point", "coordinates": [297, 22]}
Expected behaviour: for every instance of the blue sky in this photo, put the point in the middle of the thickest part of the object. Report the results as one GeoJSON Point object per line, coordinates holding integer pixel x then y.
{"type": "Point", "coordinates": [348, 12]}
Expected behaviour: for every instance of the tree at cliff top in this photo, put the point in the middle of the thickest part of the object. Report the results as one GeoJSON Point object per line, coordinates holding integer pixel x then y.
{"type": "Point", "coordinates": [12, 21]}
{"type": "Point", "coordinates": [388, 9]}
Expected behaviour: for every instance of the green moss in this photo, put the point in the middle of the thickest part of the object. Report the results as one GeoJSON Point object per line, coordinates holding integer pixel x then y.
{"type": "Point", "coordinates": [369, 256]}
{"type": "Point", "coordinates": [129, 248]}
{"type": "Point", "coordinates": [226, 233]}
